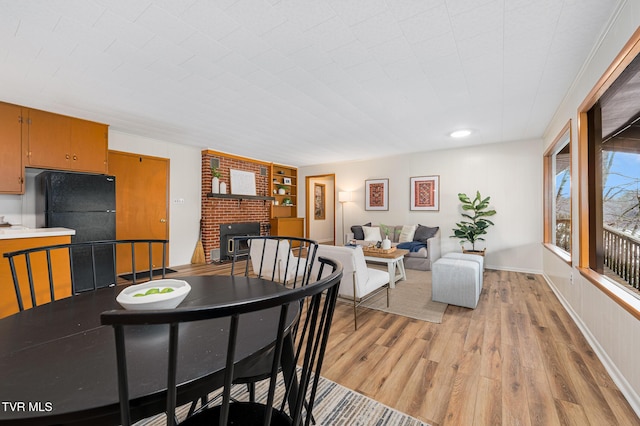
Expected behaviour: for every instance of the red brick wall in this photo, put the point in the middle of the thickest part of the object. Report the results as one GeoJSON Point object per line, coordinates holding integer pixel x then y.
{"type": "Point", "coordinates": [216, 211]}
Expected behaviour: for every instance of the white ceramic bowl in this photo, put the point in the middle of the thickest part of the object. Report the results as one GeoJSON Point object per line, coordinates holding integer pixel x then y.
{"type": "Point", "coordinates": [154, 301]}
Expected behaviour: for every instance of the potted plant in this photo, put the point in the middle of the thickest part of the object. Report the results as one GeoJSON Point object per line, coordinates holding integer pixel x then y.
{"type": "Point", "coordinates": [472, 230]}
{"type": "Point", "coordinates": [282, 189]}
{"type": "Point", "coordinates": [215, 181]}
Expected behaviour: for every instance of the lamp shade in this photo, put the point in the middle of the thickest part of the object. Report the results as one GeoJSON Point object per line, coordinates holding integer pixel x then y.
{"type": "Point", "coordinates": [344, 196]}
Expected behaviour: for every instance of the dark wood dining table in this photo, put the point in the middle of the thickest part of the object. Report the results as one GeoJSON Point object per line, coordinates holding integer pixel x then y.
{"type": "Point", "coordinates": [58, 363]}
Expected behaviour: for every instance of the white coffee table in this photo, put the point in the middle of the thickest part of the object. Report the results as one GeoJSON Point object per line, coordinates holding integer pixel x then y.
{"type": "Point", "coordinates": [394, 260]}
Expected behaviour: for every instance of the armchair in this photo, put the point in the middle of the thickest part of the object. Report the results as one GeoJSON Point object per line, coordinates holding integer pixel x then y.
{"type": "Point", "coordinates": [358, 281]}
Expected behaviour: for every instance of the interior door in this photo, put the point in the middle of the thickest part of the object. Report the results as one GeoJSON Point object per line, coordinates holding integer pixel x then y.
{"type": "Point", "coordinates": [142, 205]}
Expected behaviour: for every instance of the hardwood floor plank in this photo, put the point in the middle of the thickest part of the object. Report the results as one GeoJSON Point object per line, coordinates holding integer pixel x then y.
{"type": "Point", "coordinates": [557, 374]}
{"type": "Point", "coordinates": [542, 409]}
{"type": "Point", "coordinates": [517, 359]}
{"type": "Point", "coordinates": [462, 404]}
{"type": "Point", "coordinates": [515, 406]}
{"type": "Point", "coordinates": [488, 409]}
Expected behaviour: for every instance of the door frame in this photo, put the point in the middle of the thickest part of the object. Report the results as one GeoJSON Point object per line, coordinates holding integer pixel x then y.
{"type": "Point", "coordinates": [309, 201]}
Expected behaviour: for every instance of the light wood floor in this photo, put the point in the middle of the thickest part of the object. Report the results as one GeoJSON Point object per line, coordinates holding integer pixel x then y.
{"type": "Point", "coordinates": [518, 359]}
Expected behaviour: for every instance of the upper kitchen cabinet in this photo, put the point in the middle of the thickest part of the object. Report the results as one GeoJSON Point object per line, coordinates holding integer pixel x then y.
{"type": "Point", "coordinates": [11, 167]}
{"type": "Point", "coordinates": [64, 143]}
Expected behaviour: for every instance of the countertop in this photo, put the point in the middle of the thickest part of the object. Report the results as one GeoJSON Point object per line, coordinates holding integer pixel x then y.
{"type": "Point", "coordinates": [16, 231]}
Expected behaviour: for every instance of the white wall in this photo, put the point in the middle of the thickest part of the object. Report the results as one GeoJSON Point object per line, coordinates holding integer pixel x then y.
{"type": "Point", "coordinates": [185, 183]}
{"type": "Point", "coordinates": [612, 331]}
{"type": "Point", "coordinates": [322, 230]}
{"type": "Point", "coordinates": [511, 173]}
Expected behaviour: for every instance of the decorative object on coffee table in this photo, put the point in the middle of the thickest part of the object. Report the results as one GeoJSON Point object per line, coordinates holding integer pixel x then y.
{"type": "Point", "coordinates": [471, 230]}
{"type": "Point", "coordinates": [425, 193]}
{"type": "Point", "coordinates": [376, 194]}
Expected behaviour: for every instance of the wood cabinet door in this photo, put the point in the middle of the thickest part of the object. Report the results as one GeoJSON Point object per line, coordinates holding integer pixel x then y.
{"type": "Point", "coordinates": [142, 203]}
{"type": "Point", "coordinates": [88, 146]}
{"type": "Point", "coordinates": [11, 169]}
{"type": "Point", "coordinates": [49, 136]}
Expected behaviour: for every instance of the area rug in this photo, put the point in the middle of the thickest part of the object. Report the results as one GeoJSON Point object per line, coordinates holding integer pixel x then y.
{"type": "Point", "coordinates": [335, 406]}
{"type": "Point", "coordinates": [410, 298]}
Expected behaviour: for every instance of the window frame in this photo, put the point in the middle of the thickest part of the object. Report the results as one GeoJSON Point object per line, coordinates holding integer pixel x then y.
{"type": "Point", "coordinates": [549, 193]}
{"type": "Point", "coordinates": [587, 238]}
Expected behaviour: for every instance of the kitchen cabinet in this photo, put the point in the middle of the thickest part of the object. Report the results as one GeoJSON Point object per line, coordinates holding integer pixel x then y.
{"type": "Point", "coordinates": [14, 242]}
{"type": "Point", "coordinates": [65, 143]}
{"type": "Point", "coordinates": [11, 167]}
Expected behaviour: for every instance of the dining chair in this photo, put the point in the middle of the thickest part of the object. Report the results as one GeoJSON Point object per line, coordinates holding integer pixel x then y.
{"type": "Point", "coordinates": [284, 259]}
{"type": "Point", "coordinates": [43, 274]}
{"type": "Point", "coordinates": [315, 303]}
{"type": "Point", "coordinates": [271, 257]}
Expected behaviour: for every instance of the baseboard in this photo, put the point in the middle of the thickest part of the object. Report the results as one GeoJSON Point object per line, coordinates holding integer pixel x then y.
{"type": "Point", "coordinates": [618, 378]}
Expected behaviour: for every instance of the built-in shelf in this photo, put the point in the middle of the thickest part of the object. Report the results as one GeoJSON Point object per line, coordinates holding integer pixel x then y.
{"type": "Point", "coordinates": [240, 197]}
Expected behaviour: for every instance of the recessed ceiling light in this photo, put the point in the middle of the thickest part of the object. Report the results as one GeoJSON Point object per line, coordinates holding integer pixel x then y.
{"type": "Point", "coordinates": [460, 133]}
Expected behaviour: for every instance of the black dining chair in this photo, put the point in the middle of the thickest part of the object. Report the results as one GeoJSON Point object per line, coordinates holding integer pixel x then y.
{"type": "Point", "coordinates": [315, 304]}
{"type": "Point", "coordinates": [43, 274]}
{"type": "Point", "coordinates": [277, 258]}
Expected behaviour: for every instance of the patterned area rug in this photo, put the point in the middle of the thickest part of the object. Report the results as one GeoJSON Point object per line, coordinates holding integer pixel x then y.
{"type": "Point", "coordinates": [410, 298]}
{"type": "Point", "coordinates": [335, 406]}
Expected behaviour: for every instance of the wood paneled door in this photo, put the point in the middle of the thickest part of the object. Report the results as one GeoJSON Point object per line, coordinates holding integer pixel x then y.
{"type": "Point", "coordinates": [142, 204]}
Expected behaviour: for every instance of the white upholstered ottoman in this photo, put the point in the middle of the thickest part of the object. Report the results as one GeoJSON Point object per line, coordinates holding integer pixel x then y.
{"type": "Point", "coordinates": [457, 280]}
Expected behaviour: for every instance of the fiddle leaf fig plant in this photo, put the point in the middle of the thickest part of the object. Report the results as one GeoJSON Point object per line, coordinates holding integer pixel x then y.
{"type": "Point", "coordinates": [476, 212]}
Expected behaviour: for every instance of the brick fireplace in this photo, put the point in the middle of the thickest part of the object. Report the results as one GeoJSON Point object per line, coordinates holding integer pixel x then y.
{"type": "Point", "coordinates": [219, 211]}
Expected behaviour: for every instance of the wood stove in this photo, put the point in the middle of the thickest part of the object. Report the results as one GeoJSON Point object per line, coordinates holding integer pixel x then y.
{"type": "Point", "coordinates": [230, 230]}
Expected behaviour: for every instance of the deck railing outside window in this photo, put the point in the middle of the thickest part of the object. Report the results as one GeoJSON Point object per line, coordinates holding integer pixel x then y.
{"type": "Point", "coordinates": [622, 255]}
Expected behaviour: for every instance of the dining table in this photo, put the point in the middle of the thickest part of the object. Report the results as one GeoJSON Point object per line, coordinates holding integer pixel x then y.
{"type": "Point", "coordinates": [58, 363]}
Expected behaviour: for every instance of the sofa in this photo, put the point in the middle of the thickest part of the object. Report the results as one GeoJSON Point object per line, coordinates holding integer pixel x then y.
{"type": "Point", "coordinates": [423, 242]}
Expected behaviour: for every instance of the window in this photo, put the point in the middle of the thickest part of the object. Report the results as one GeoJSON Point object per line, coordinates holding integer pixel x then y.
{"type": "Point", "coordinates": [609, 146]}
{"type": "Point", "coordinates": [557, 173]}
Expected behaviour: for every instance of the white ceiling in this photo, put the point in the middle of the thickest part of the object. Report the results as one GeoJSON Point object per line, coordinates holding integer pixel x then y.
{"type": "Point", "coordinates": [301, 81]}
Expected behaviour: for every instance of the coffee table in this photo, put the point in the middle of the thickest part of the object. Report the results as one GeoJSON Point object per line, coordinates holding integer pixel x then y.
{"type": "Point", "coordinates": [394, 260]}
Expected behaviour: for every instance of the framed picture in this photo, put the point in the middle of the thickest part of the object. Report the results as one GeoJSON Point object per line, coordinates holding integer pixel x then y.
{"type": "Point", "coordinates": [425, 193]}
{"type": "Point", "coordinates": [242, 183]}
{"type": "Point", "coordinates": [319, 201]}
{"type": "Point", "coordinates": [376, 195]}
{"type": "Point", "coordinates": [286, 181]}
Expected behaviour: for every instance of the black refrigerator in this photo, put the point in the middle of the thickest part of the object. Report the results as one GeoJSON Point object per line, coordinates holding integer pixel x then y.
{"type": "Point", "coordinates": [86, 203]}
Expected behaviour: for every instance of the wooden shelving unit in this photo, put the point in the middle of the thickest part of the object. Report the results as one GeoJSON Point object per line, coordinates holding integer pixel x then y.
{"type": "Point", "coordinates": [284, 220]}
{"type": "Point", "coordinates": [284, 177]}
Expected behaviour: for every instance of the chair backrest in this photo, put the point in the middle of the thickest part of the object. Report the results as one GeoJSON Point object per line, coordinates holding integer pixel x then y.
{"type": "Point", "coordinates": [284, 259]}
{"type": "Point", "coordinates": [355, 267]}
{"type": "Point", "coordinates": [43, 274]}
{"type": "Point", "coordinates": [318, 300]}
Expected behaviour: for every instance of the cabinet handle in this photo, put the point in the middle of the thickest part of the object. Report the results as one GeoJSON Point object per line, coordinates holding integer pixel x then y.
{"type": "Point", "coordinates": [66, 156]}
{"type": "Point", "coordinates": [163, 220]}
{"type": "Point", "coordinates": [75, 157]}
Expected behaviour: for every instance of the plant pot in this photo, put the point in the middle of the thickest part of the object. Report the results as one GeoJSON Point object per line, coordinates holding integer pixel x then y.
{"type": "Point", "coordinates": [215, 185]}
{"type": "Point", "coordinates": [281, 191]}
{"type": "Point", "coordinates": [478, 252]}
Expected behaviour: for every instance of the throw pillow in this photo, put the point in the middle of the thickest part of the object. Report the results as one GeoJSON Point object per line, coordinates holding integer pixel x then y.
{"type": "Point", "coordinates": [372, 233]}
{"type": "Point", "coordinates": [407, 233]}
{"type": "Point", "coordinates": [423, 233]}
{"type": "Point", "coordinates": [358, 233]}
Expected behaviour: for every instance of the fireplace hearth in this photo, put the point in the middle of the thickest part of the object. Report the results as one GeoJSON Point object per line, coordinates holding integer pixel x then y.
{"type": "Point", "coordinates": [230, 230]}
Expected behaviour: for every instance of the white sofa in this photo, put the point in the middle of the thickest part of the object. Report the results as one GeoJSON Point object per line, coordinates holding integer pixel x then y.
{"type": "Point", "coordinates": [421, 259]}
{"type": "Point", "coordinates": [358, 280]}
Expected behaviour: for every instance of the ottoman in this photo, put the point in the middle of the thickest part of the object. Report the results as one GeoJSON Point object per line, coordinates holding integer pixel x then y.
{"type": "Point", "coordinates": [457, 281]}
{"type": "Point", "coordinates": [473, 257]}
